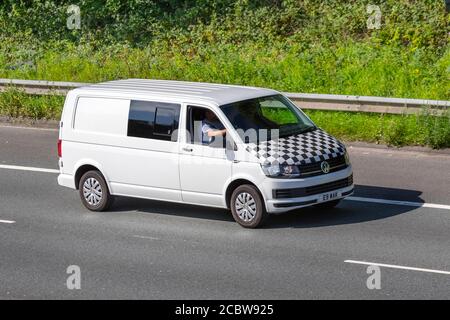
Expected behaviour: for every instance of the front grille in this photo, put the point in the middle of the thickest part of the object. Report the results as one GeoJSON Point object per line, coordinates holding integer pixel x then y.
{"type": "Point", "coordinates": [312, 190]}
{"type": "Point", "coordinates": [313, 169]}
{"type": "Point", "coordinates": [321, 188]}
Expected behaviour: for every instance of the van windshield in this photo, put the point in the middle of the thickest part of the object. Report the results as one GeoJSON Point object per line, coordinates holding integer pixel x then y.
{"type": "Point", "coordinates": [265, 118]}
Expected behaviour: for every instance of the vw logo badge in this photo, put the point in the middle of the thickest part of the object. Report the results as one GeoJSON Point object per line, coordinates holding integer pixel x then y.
{"type": "Point", "coordinates": [325, 166]}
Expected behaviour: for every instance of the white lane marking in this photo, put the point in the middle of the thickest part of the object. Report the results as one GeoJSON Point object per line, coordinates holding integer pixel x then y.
{"type": "Point", "coordinates": [7, 221]}
{"type": "Point", "coordinates": [373, 200]}
{"type": "Point", "coordinates": [29, 128]}
{"type": "Point", "coordinates": [145, 237]}
{"type": "Point", "coordinates": [34, 169]}
{"type": "Point", "coordinates": [400, 203]}
{"type": "Point", "coordinates": [397, 267]}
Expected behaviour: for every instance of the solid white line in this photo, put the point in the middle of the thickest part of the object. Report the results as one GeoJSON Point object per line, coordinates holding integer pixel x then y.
{"type": "Point", "coordinates": [400, 203]}
{"type": "Point", "coordinates": [372, 200]}
{"type": "Point", "coordinates": [34, 169]}
{"type": "Point", "coordinates": [29, 128]}
{"type": "Point", "coordinates": [7, 221]}
{"type": "Point", "coordinates": [145, 237]}
{"type": "Point", "coordinates": [397, 267]}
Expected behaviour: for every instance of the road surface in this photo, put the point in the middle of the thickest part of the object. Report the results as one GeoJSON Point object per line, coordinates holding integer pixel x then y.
{"type": "Point", "coordinates": [146, 249]}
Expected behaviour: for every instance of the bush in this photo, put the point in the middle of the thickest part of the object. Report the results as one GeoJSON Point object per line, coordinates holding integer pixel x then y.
{"type": "Point", "coordinates": [137, 22]}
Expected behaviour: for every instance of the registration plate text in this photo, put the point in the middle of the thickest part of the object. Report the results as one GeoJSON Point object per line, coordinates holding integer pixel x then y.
{"type": "Point", "coordinates": [330, 196]}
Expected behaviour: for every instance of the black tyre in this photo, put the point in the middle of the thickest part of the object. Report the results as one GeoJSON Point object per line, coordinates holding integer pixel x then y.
{"type": "Point", "coordinates": [247, 206]}
{"type": "Point", "coordinates": [328, 205]}
{"type": "Point", "coordinates": [94, 191]}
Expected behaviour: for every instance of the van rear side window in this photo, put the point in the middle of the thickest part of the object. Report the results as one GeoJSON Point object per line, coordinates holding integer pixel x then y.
{"type": "Point", "coordinates": [153, 120]}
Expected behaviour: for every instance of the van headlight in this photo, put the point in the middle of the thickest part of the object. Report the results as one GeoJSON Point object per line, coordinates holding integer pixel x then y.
{"type": "Point", "coordinates": [281, 170]}
{"type": "Point", "coordinates": [347, 158]}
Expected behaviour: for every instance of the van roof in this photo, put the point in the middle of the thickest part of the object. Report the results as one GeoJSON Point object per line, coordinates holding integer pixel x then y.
{"type": "Point", "coordinates": [219, 93]}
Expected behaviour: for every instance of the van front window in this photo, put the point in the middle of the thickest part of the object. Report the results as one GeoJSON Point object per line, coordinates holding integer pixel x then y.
{"type": "Point", "coordinates": [267, 117]}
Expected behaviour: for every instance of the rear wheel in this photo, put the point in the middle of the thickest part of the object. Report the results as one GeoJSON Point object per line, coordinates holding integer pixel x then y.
{"type": "Point", "coordinates": [247, 206]}
{"type": "Point", "coordinates": [328, 205]}
{"type": "Point", "coordinates": [94, 191]}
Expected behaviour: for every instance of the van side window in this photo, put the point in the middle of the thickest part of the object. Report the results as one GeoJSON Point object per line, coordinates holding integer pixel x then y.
{"type": "Point", "coordinates": [153, 120]}
{"type": "Point", "coordinates": [196, 118]}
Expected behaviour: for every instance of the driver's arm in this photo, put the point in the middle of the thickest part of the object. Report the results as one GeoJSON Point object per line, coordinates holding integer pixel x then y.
{"type": "Point", "coordinates": [210, 131]}
{"type": "Point", "coordinates": [215, 132]}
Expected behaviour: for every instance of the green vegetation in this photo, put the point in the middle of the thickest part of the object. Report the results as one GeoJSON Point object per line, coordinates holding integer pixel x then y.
{"type": "Point", "coordinates": [394, 130]}
{"type": "Point", "coordinates": [290, 45]}
{"type": "Point", "coordinates": [360, 69]}
{"type": "Point", "coordinates": [17, 104]}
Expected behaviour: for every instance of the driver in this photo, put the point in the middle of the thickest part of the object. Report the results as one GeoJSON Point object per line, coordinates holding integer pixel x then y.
{"type": "Point", "coordinates": [211, 127]}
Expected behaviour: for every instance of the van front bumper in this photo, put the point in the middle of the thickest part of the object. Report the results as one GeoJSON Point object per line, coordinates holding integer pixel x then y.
{"type": "Point", "coordinates": [283, 195]}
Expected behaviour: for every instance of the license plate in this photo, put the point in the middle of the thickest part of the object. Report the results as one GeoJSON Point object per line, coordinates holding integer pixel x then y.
{"type": "Point", "coordinates": [330, 196]}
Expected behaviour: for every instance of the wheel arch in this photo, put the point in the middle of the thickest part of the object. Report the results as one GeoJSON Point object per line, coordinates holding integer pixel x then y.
{"type": "Point", "coordinates": [84, 167]}
{"type": "Point", "coordinates": [236, 183]}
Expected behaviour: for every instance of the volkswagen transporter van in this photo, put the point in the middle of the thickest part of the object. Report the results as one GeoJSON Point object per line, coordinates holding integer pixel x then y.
{"type": "Point", "coordinates": [250, 150]}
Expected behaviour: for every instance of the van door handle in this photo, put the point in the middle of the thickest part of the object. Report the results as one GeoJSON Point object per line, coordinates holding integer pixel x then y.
{"type": "Point", "coordinates": [188, 149]}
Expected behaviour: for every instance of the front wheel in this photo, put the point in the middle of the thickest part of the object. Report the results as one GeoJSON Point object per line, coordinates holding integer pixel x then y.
{"type": "Point", "coordinates": [94, 191]}
{"type": "Point", "coordinates": [247, 206]}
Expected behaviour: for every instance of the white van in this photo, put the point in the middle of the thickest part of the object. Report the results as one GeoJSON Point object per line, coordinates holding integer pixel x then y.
{"type": "Point", "coordinates": [247, 149]}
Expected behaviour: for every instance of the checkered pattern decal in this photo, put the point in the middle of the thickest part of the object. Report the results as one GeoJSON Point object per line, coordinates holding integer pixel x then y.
{"type": "Point", "coordinates": [305, 148]}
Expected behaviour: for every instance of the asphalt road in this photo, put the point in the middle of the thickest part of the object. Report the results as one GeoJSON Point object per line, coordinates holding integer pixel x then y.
{"type": "Point", "coordinates": [146, 249]}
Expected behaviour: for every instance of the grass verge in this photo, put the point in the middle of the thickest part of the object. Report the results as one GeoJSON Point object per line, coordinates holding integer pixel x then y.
{"type": "Point", "coordinates": [424, 129]}
{"type": "Point", "coordinates": [352, 68]}
{"type": "Point", "coordinates": [15, 103]}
